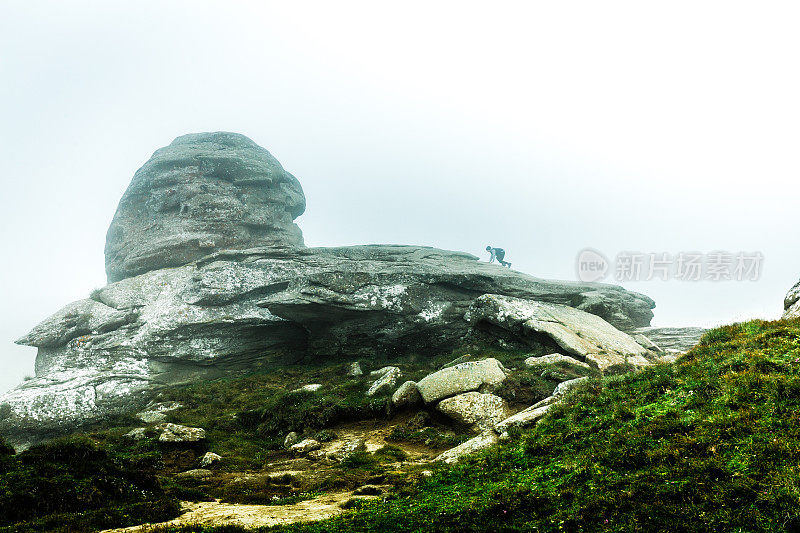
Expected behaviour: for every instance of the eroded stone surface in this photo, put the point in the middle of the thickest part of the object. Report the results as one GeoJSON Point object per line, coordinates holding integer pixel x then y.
{"type": "Point", "coordinates": [583, 335]}
{"type": "Point", "coordinates": [459, 378]}
{"type": "Point", "coordinates": [482, 410]}
{"type": "Point", "coordinates": [204, 192]}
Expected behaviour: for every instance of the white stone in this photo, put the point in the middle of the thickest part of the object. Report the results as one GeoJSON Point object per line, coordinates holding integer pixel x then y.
{"type": "Point", "coordinates": [473, 445]}
{"type": "Point", "coordinates": [463, 377]}
{"type": "Point", "coordinates": [475, 408]}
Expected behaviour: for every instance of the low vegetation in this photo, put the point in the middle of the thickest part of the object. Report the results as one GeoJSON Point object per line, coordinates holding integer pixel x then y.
{"type": "Point", "coordinates": [711, 443]}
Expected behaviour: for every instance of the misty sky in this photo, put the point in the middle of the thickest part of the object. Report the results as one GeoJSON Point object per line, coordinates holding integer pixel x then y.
{"type": "Point", "coordinates": [541, 127]}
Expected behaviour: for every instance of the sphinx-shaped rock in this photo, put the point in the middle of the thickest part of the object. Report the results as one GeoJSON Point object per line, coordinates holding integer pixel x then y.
{"type": "Point", "coordinates": [177, 311]}
{"type": "Point", "coordinates": [202, 193]}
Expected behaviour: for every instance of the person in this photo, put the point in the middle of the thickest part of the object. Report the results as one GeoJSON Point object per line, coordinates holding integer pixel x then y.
{"type": "Point", "coordinates": [499, 254]}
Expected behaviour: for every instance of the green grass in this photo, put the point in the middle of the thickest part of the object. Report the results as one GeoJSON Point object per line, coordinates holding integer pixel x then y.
{"type": "Point", "coordinates": [72, 485]}
{"type": "Point", "coordinates": [711, 443]}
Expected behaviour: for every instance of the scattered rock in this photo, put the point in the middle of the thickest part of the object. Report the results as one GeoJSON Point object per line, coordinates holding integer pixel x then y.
{"type": "Point", "coordinates": [209, 459]}
{"type": "Point", "coordinates": [579, 333]}
{"type": "Point", "coordinates": [314, 387]}
{"type": "Point", "coordinates": [463, 377]}
{"type": "Point", "coordinates": [524, 418]}
{"type": "Point", "coordinates": [473, 445]}
{"type": "Point", "coordinates": [355, 370]}
{"type": "Point", "coordinates": [348, 448]}
{"type": "Point", "coordinates": [179, 434]}
{"type": "Point", "coordinates": [407, 395]}
{"type": "Point", "coordinates": [381, 371]}
{"type": "Point", "coordinates": [565, 386]}
{"type": "Point", "coordinates": [136, 434]}
{"type": "Point", "coordinates": [290, 440]}
{"type": "Point", "coordinates": [552, 359]}
{"type": "Point", "coordinates": [474, 408]}
{"type": "Point", "coordinates": [197, 473]}
{"type": "Point", "coordinates": [157, 412]}
{"type": "Point", "coordinates": [791, 304]}
{"type": "Point", "coordinates": [386, 381]}
{"type": "Point", "coordinates": [305, 446]}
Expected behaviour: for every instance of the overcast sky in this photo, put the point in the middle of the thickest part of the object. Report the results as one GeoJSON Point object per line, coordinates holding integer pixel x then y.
{"type": "Point", "coordinates": [541, 127]}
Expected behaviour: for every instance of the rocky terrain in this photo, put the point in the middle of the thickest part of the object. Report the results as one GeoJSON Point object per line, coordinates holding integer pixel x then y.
{"type": "Point", "coordinates": [208, 276]}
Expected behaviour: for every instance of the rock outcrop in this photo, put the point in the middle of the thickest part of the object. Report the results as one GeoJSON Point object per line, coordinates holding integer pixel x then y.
{"type": "Point", "coordinates": [791, 304]}
{"type": "Point", "coordinates": [204, 192]}
{"type": "Point", "coordinates": [179, 309]}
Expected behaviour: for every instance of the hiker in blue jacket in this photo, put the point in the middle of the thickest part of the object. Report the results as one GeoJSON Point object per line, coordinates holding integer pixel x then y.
{"type": "Point", "coordinates": [499, 254]}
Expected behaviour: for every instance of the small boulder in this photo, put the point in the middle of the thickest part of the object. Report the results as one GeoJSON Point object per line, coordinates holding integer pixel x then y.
{"type": "Point", "coordinates": [407, 395]}
{"type": "Point", "coordinates": [552, 359]}
{"type": "Point", "coordinates": [348, 448]}
{"type": "Point", "coordinates": [157, 412]}
{"type": "Point", "coordinates": [473, 445]}
{"type": "Point", "coordinates": [355, 370]}
{"type": "Point", "coordinates": [463, 377]}
{"type": "Point", "coordinates": [313, 387]}
{"type": "Point", "coordinates": [209, 459]}
{"type": "Point", "coordinates": [382, 371]}
{"type": "Point", "coordinates": [386, 382]}
{"type": "Point", "coordinates": [566, 386]}
{"type": "Point", "coordinates": [305, 446]}
{"type": "Point", "coordinates": [524, 418]}
{"type": "Point", "coordinates": [176, 433]}
{"type": "Point", "coordinates": [475, 408]}
{"type": "Point", "coordinates": [291, 439]}
{"type": "Point", "coordinates": [136, 434]}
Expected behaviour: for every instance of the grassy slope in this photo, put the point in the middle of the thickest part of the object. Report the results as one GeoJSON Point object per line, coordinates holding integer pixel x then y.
{"type": "Point", "coordinates": [711, 443]}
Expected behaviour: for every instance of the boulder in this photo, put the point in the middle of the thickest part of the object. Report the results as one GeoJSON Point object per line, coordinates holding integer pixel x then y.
{"type": "Point", "coordinates": [462, 377]}
{"type": "Point", "coordinates": [525, 418]}
{"type": "Point", "coordinates": [674, 339]}
{"type": "Point", "coordinates": [202, 193]}
{"type": "Point", "coordinates": [136, 434]}
{"type": "Point", "coordinates": [407, 395]}
{"type": "Point", "coordinates": [157, 412]}
{"type": "Point", "coordinates": [209, 459]}
{"type": "Point", "coordinates": [483, 441]}
{"type": "Point", "coordinates": [175, 433]}
{"type": "Point", "coordinates": [305, 446]}
{"type": "Point", "coordinates": [347, 448]}
{"type": "Point", "coordinates": [791, 304]}
{"type": "Point", "coordinates": [386, 382]}
{"type": "Point", "coordinates": [583, 335]}
{"type": "Point", "coordinates": [545, 361]}
{"type": "Point", "coordinates": [354, 370]}
{"type": "Point", "coordinates": [312, 387]}
{"type": "Point", "coordinates": [566, 386]}
{"type": "Point", "coordinates": [474, 408]}
{"type": "Point", "coordinates": [291, 439]}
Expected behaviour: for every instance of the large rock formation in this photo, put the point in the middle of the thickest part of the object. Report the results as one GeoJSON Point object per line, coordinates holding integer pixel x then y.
{"type": "Point", "coordinates": [177, 311]}
{"type": "Point", "coordinates": [204, 192]}
{"type": "Point", "coordinates": [791, 304]}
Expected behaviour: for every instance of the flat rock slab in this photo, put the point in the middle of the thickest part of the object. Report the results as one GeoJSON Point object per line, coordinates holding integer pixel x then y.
{"type": "Point", "coordinates": [583, 335]}
{"type": "Point", "coordinates": [463, 377]}
{"type": "Point", "coordinates": [553, 359]}
{"type": "Point", "coordinates": [473, 445]}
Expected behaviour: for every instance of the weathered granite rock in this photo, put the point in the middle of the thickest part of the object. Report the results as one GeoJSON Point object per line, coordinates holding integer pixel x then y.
{"type": "Point", "coordinates": [202, 193]}
{"type": "Point", "coordinates": [305, 446]}
{"type": "Point", "coordinates": [565, 386]}
{"type": "Point", "coordinates": [311, 387]}
{"type": "Point", "coordinates": [553, 359]}
{"type": "Point", "coordinates": [678, 339]}
{"type": "Point", "coordinates": [463, 377]}
{"type": "Point", "coordinates": [791, 304]}
{"type": "Point", "coordinates": [586, 336]}
{"type": "Point", "coordinates": [175, 433]}
{"type": "Point", "coordinates": [220, 311]}
{"type": "Point", "coordinates": [209, 459]}
{"type": "Point", "coordinates": [482, 410]}
{"type": "Point", "coordinates": [386, 382]}
{"type": "Point", "coordinates": [525, 418]}
{"type": "Point", "coordinates": [291, 439]}
{"type": "Point", "coordinates": [407, 395]}
{"type": "Point", "coordinates": [485, 440]}
{"type": "Point", "coordinates": [355, 370]}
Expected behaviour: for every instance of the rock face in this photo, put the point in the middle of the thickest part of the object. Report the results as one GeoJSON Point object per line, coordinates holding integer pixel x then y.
{"type": "Point", "coordinates": [586, 336]}
{"type": "Point", "coordinates": [179, 309]}
{"type": "Point", "coordinates": [791, 304]}
{"type": "Point", "coordinates": [676, 339]}
{"type": "Point", "coordinates": [204, 192]}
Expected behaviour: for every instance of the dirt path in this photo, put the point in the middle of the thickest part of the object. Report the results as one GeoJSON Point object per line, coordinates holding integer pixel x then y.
{"type": "Point", "coordinates": [225, 514]}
